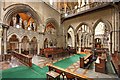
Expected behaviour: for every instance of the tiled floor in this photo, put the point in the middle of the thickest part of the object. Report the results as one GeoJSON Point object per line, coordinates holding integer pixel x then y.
{"type": "Point", "coordinates": [42, 61]}
{"type": "Point", "coordinates": [38, 60]}
{"type": "Point", "coordinates": [10, 64]}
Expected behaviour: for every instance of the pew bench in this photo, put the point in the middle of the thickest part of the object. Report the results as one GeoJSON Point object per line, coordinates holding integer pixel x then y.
{"type": "Point", "coordinates": [100, 65]}
{"type": "Point", "coordinates": [53, 52]}
{"type": "Point", "coordinates": [116, 63]}
{"type": "Point", "coordinates": [67, 73]}
{"type": "Point", "coordinates": [84, 61]}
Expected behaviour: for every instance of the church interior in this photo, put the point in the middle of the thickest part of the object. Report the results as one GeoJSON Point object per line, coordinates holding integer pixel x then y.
{"type": "Point", "coordinates": [59, 39]}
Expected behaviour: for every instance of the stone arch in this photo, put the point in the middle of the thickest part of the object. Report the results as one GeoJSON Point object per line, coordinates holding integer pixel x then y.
{"type": "Point", "coordinates": [106, 36]}
{"type": "Point", "coordinates": [17, 8]}
{"type": "Point", "coordinates": [33, 45]}
{"type": "Point", "coordinates": [51, 32]}
{"type": "Point", "coordinates": [83, 23]}
{"type": "Point", "coordinates": [25, 36]}
{"type": "Point", "coordinates": [13, 42]}
{"type": "Point", "coordinates": [25, 44]}
{"type": "Point", "coordinates": [70, 26]}
{"type": "Point", "coordinates": [12, 35]}
{"type": "Point", "coordinates": [83, 35]}
{"type": "Point", "coordinates": [107, 23]}
{"type": "Point", "coordinates": [54, 22]}
{"type": "Point", "coordinates": [34, 38]}
{"type": "Point", "coordinates": [72, 35]}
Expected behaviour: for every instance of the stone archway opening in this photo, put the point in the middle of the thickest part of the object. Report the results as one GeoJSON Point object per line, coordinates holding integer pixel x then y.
{"type": "Point", "coordinates": [98, 43]}
{"type": "Point", "coordinates": [83, 39]}
{"type": "Point", "coordinates": [33, 46]}
{"type": "Point", "coordinates": [51, 35]}
{"type": "Point", "coordinates": [22, 16]}
{"type": "Point", "coordinates": [101, 33]}
{"type": "Point", "coordinates": [13, 43]}
{"type": "Point", "coordinates": [25, 45]}
{"type": "Point", "coordinates": [70, 38]}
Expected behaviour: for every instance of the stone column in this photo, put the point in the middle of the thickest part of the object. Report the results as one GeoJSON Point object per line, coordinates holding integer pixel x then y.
{"type": "Point", "coordinates": [1, 39]}
{"type": "Point", "coordinates": [83, 44]}
{"type": "Point", "coordinates": [79, 43]}
{"type": "Point", "coordinates": [14, 21]}
{"type": "Point", "coordinates": [93, 43]}
{"type": "Point", "coordinates": [75, 42]}
{"type": "Point", "coordinates": [25, 24]}
{"type": "Point", "coordinates": [20, 22]}
{"type": "Point", "coordinates": [20, 47]}
{"type": "Point", "coordinates": [38, 49]}
{"type": "Point", "coordinates": [5, 40]}
{"type": "Point", "coordinates": [110, 43]}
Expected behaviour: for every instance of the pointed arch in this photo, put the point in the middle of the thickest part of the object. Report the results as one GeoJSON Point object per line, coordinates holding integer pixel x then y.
{"type": "Point", "coordinates": [13, 43]}
{"type": "Point", "coordinates": [26, 37]}
{"type": "Point", "coordinates": [12, 35]}
{"type": "Point", "coordinates": [70, 26]}
{"type": "Point", "coordinates": [107, 24]}
{"type": "Point", "coordinates": [53, 22]}
{"type": "Point", "coordinates": [33, 45]}
{"type": "Point", "coordinates": [71, 32]}
{"type": "Point", "coordinates": [17, 8]}
{"type": "Point", "coordinates": [34, 38]}
{"type": "Point", "coordinates": [82, 23]}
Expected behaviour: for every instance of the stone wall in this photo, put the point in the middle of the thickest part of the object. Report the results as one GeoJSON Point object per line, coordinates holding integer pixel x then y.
{"type": "Point", "coordinates": [46, 14]}
{"type": "Point", "coordinates": [92, 18]}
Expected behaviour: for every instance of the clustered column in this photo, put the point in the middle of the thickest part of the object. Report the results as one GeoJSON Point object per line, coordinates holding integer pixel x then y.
{"type": "Point", "coordinates": [5, 39]}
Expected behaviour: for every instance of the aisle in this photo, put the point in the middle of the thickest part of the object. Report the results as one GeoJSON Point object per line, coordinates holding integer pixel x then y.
{"type": "Point", "coordinates": [68, 61]}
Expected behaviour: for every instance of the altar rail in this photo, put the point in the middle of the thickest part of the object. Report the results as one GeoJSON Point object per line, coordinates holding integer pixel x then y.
{"type": "Point", "coordinates": [66, 72]}
{"type": "Point", "coordinates": [25, 59]}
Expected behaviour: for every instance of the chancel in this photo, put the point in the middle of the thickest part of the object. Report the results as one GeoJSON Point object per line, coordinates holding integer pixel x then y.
{"type": "Point", "coordinates": [59, 39]}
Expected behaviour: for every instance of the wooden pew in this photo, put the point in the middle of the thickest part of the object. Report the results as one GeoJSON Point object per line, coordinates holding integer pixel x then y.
{"type": "Point", "coordinates": [25, 59]}
{"type": "Point", "coordinates": [54, 51]}
{"type": "Point", "coordinates": [116, 62]}
{"type": "Point", "coordinates": [84, 61]}
{"type": "Point", "coordinates": [101, 66]}
{"type": "Point", "coordinates": [68, 73]}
